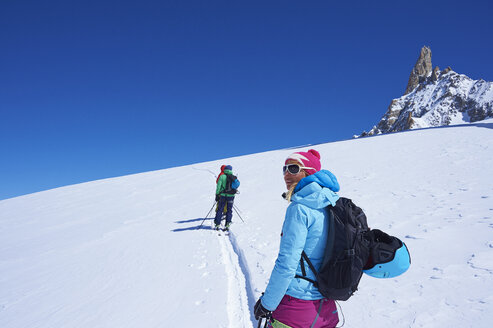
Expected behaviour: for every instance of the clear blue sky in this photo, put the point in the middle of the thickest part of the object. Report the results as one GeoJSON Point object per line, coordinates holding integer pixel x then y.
{"type": "Point", "coordinates": [97, 89]}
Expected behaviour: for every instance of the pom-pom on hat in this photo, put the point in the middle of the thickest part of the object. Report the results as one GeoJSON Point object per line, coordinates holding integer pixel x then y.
{"type": "Point", "coordinates": [309, 159]}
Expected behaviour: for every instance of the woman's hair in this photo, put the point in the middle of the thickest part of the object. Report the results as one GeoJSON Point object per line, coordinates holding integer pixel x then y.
{"type": "Point", "coordinates": [290, 192]}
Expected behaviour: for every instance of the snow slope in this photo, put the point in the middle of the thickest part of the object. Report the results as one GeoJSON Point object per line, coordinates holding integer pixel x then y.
{"type": "Point", "coordinates": [127, 252]}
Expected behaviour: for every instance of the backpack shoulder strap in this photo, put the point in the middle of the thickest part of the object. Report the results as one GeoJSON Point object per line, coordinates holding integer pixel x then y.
{"type": "Point", "coordinates": [304, 258]}
{"type": "Point", "coordinates": [331, 236]}
{"type": "Point", "coordinates": [230, 177]}
{"type": "Point", "coordinates": [327, 254]}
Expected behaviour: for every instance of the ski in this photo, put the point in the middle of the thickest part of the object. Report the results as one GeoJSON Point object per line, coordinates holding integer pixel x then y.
{"type": "Point", "coordinates": [222, 230]}
{"type": "Point", "coordinates": [226, 231]}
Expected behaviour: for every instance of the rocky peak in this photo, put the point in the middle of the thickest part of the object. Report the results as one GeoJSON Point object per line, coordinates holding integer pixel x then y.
{"type": "Point", "coordinates": [421, 69]}
{"type": "Point", "coordinates": [445, 71]}
{"type": "Point", "coordinates": [435, 98]}
{"type": "Point", "coordinates": [435, 74]}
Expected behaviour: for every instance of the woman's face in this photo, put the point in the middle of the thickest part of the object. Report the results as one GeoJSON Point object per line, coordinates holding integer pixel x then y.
{"type": "Point", "coordinates": [292, 179]}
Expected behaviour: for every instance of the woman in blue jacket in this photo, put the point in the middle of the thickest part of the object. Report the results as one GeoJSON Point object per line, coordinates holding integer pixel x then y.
{"type": "Point", "coordinates": [295, 302]}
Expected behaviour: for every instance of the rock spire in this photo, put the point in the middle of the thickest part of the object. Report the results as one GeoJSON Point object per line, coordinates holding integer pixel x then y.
{"type": "Point", "coordinates": [421, 69]}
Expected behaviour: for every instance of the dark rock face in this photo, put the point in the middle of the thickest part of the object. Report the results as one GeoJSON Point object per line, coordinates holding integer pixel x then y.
{"type": "Point", "coordinates": [421, 70]}
{"type": "Point", "coordinates": [435, 74]}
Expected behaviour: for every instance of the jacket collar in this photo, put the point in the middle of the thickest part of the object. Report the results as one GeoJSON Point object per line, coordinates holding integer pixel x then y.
{"type": "Point", "coordinates": [317, 190]}
{"type": "Point", "coordinates": [324, 178]}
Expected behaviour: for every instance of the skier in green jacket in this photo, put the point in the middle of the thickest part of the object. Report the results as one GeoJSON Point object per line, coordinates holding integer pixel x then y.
{"type": "Point", "coordinates": [225, 195]}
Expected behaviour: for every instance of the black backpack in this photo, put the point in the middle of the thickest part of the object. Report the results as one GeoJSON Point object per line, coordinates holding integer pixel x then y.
{"type": "Point", "coordinates": [232, 184]}
{"type": "Point", "coordinates": [346, 253]}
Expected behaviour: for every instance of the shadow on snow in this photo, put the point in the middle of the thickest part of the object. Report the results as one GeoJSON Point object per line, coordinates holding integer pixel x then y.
{"type": "Point", "coordinates": [205, 225]}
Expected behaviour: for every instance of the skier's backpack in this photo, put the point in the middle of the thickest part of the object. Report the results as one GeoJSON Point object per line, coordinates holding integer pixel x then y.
{"type": "Point", "coordinates": [232, 184]}
{"type": "Point", "coordinates": [347, 251]}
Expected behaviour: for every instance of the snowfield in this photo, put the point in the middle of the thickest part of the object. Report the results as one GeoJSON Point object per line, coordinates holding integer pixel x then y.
{"type": "Point", "coordinates": [130, 252]}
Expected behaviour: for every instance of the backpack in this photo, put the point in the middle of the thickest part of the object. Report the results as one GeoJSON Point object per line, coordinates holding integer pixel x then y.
{"type": "Point", "coordinates": [232, 184]}
{"type": "Point", "coordinates": [346, 253]}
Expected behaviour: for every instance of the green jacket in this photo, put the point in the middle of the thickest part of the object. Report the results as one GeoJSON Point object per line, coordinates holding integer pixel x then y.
{"type": "Point", "coordinates": [221, 184]}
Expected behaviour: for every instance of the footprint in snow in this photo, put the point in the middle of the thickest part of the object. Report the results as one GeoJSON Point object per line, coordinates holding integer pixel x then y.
{"type": "Point", "coordinates": [437, 270]}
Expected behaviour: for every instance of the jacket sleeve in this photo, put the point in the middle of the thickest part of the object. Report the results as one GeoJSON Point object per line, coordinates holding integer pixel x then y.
{"type": "Point", "coordinates": [293, 240]}
{"type": "Point", "coordinates": [221, 184]}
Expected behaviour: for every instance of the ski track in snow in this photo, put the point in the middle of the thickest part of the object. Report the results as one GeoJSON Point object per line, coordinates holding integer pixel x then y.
{"type": "Point", "coordinates": [239, 290]}
{"type": "Point", "coordinates": [246, 273]}
{"type": "Point", "coordinates": [240, 296]}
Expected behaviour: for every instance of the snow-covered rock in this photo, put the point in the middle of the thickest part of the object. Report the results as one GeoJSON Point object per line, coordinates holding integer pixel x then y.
{"type": "Point", "coordinates": [436, 98]}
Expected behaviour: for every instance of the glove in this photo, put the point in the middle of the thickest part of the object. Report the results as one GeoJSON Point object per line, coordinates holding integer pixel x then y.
{"type": "Point", "coordinates": [260, 312]}
{"type": "Point", "coordinates": [217, 198]}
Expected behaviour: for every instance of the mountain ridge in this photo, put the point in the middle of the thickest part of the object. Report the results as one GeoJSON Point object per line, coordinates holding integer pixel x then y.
{"type": "Point", "coordinates": [436, 98]}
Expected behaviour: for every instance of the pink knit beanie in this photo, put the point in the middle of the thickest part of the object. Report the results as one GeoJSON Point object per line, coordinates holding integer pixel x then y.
{"type": "Point", "coordinates": [310, 159]}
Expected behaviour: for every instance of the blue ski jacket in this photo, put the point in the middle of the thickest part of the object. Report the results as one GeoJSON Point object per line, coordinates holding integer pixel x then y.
{"type": "Point", "coordinates": [305, 228]}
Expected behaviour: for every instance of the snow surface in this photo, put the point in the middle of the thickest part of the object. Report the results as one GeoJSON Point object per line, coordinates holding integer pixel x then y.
{"type": "Point", "coordinates": [128, 251]}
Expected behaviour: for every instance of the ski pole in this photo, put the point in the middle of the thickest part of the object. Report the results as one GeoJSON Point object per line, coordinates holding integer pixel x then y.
{"type": "Point", "coordinates": [200, 226]}
{"type": "Point", "coordinates": [266, 325]}
{"type": "Point", "coordinates": [238, 214]}
{"type": "Point", "coordinates": [237, 208]}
